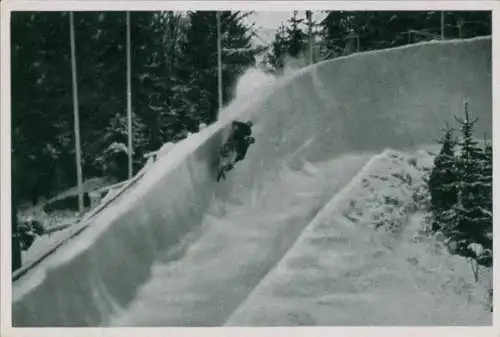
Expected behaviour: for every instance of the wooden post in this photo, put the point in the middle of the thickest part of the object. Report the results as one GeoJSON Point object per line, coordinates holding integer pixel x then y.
{"type": "Point", "coordinates": [129, 99]}
{"type": "Point", "coordinates": [310, 36]}
{"type": "Point", "coordinates": [76, 114]}
{"type": "Point", "coordinates": [219, 60]}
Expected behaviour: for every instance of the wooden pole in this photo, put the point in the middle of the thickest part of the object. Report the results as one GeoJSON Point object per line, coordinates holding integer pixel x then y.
{"type": "Point", "coordinates": [129, 99]}
{"type": "Point", "coordinates": [219, 60]}
{"type": "Point", "coordinates": [310, 36]}
{"type": "Point", "coordinates": [76, 115]}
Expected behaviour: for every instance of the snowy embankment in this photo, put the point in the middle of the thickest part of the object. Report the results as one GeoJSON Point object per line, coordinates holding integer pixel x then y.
{"type": "Point", "coordinates": [365, 260]}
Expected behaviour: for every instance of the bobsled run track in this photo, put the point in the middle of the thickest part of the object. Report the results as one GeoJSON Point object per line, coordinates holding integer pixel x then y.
{"type": "Point", "coordinates": [180, 249]}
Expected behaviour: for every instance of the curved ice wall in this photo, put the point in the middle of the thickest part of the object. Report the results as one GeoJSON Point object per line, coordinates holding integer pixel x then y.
{"type": "Point", "coordinates": [394, 98]}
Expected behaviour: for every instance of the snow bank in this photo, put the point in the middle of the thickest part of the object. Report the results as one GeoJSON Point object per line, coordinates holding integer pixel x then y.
{"type": "Point", "coordinates": [363, 103]}
{"type": "Point", "coordinates": [361, 261]}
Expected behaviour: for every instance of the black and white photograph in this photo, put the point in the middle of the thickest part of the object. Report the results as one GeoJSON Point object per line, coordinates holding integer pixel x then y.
{"type": "Point", "coordinates": [227, 167]}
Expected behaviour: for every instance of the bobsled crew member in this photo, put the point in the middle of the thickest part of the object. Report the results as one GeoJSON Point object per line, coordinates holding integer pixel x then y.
{"type": "Point", "coordinates": [241, 130]}
{"type": "Point", "coordinates": [236, 146]}
{"type": "Point", "coordinates": [240, 139]}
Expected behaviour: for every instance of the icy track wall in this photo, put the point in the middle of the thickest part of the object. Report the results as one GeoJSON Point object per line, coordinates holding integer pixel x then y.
{"type": "Point", "coordinates": [395, 98]}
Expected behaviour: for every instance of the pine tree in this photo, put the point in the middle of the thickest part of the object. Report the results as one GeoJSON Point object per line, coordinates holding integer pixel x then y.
{"type": "Point", "coordinates": [41, 75]}
{"type": "Point", "coordinates": [275, 58]}
{"type": "Point", "coordinates": [485, 198]}
{"type": "Point", "coordinates": [443, 182]}
{"type": "Point", "coordinates": [156, 40]}
{"type": "Point", "coordinates": [473, 220]}
{"type": "Point", "coordinates": [296, 37]}
{"type": "Point", "coordinates": [333, 30]}
{"type": "Point", "coordinates": [113, 157]}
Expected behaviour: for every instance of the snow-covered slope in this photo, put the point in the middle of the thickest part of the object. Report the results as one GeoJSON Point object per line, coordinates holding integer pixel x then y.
{"type": "Point", "coordinates": [363, 103]}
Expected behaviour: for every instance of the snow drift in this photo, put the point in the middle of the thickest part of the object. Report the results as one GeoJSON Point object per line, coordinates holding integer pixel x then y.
{"type": "Point", "coordinates": [398, 98]}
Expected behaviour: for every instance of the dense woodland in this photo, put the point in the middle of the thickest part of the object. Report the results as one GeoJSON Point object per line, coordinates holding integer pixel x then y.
{"type": "Point", "coordinates": [340, 33]}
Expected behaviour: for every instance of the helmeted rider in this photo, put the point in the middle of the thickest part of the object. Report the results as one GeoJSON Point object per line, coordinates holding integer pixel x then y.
{"type": "Point", "coordinates": [241, 130]}
{"type": "Point", "coordinates": [240, 140]}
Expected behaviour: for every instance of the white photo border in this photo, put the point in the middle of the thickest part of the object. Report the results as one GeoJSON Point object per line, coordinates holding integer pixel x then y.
{"type": "Point", "coordinates": [91, 5]}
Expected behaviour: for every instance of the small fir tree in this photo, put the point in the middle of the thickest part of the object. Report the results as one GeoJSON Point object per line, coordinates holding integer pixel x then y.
{"type": "Point", "coordinates": [472, 223]}
{"type": "Point", "coordinates": [443, 182]}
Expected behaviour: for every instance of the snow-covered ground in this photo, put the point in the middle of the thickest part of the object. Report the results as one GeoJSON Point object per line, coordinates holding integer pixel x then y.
{"type": "Point", "coordinates": [364, 260]}
{"type": "Point", "coordinates": [51, 221]}
{"type": "Point", "coordinates": [42, 244]}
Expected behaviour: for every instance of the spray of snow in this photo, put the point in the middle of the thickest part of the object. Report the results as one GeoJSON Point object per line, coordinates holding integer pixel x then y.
{"type": "Point", "coordinates": [249, 87]}
{"type": "Point", "coordinates": [293, 64]}
{"type": "Point", "coordinates": [252, 81]}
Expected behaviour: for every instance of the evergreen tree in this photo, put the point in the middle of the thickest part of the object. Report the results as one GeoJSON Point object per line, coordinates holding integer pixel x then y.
{"type": "Point", "coordinates": [156, 40]}
{"type": "Point", "coordinates": [275, 58]}
{"type": "Point", "coordinates": [473, 219]}
{"type": "Point", "coordinates": [295, 36]}
{"type": "Point", "coordinates": [100, 39]}
{"type": "Point", "coordinates": [485, 198]}
{"type": "Point", "coordinates": [41, 102]}
{"type": "Point", "coordinates": [443, 182]}
{"type": "Point", "coordinates": [113, 159]}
